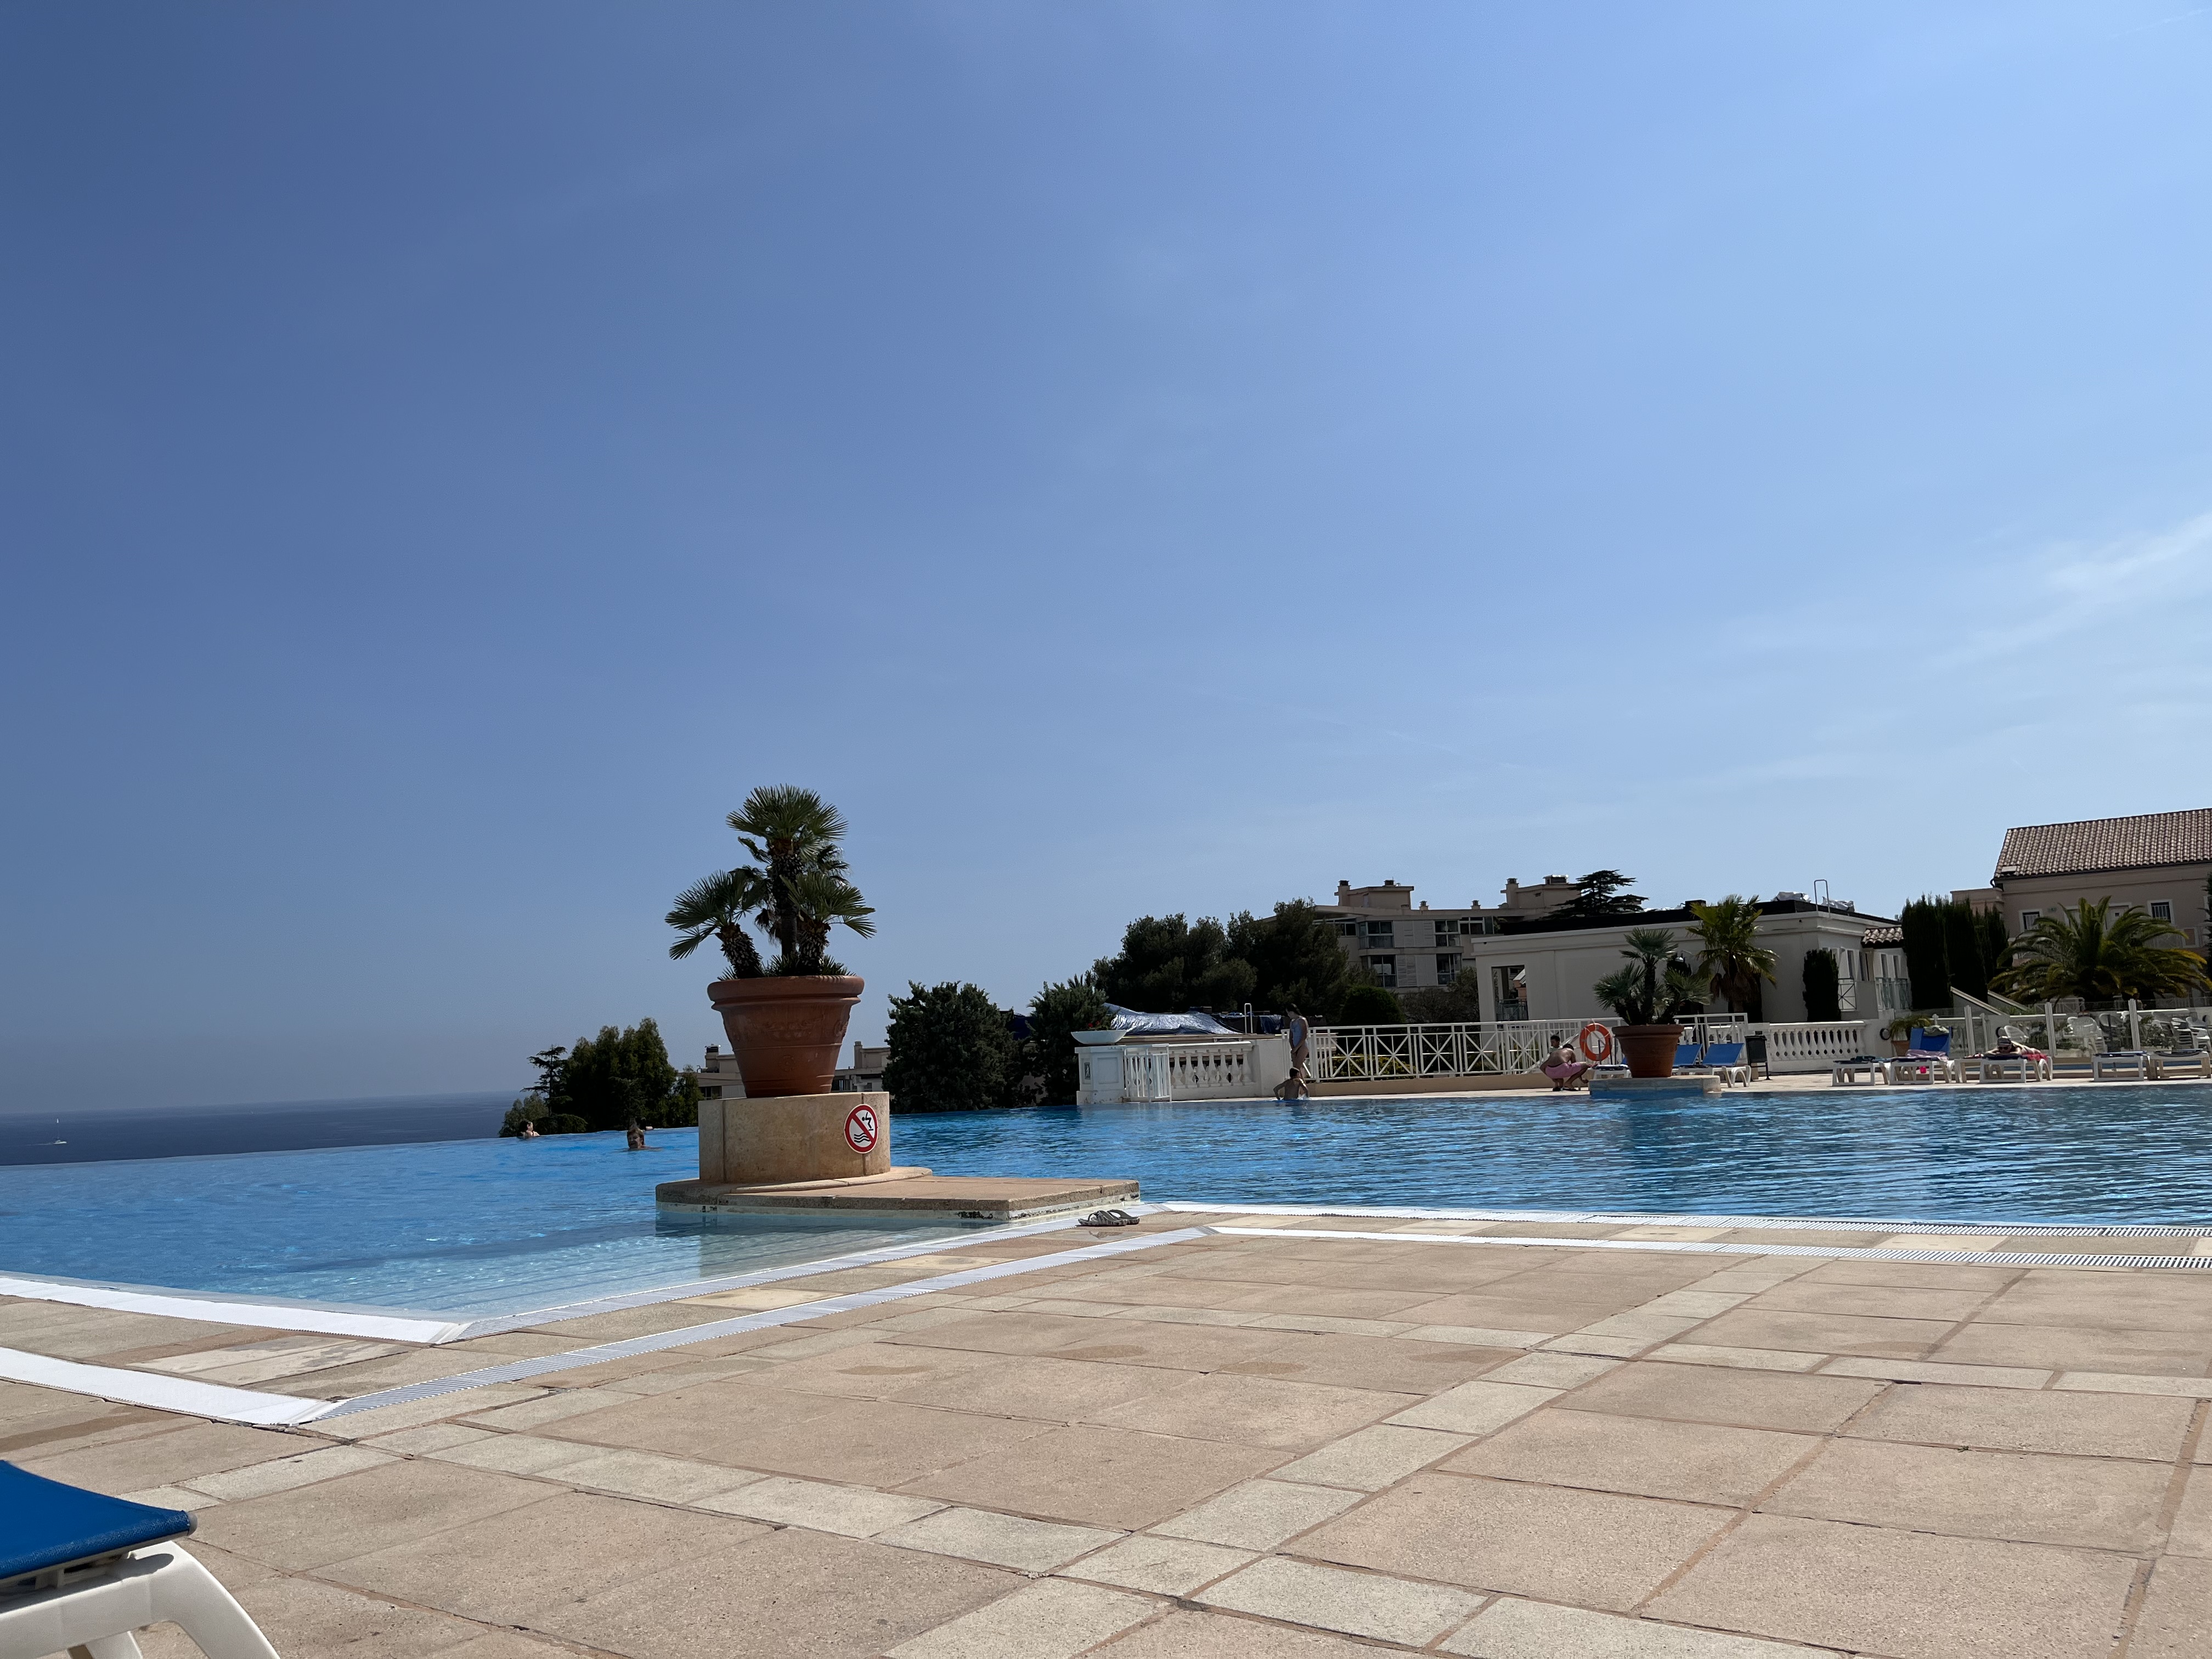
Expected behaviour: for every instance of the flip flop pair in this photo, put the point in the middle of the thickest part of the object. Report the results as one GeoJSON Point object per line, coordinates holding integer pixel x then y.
{"type": "Point", "coordinates": [1108, 1218]}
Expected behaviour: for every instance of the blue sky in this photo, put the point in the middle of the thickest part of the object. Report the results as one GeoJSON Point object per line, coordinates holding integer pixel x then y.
{"type": "Point", "coordinates": [1132, 458]}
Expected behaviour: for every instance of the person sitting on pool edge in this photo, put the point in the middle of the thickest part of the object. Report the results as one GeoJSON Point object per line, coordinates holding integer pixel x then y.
{"type": "Point", "coordinates": [1565, 1067]}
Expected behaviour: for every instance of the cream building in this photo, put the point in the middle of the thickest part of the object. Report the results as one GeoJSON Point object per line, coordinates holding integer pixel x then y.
{"type": "Point", "coordinates": [2156, 861]}
{"type": "Point", "coordinates": [1528, 963]}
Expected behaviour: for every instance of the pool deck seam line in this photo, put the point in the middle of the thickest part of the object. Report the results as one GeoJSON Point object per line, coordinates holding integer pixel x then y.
{"type": "Point", "coordinates": [1643, 1218]}
{"type": "Point", "coordinates": [1705, 1247]}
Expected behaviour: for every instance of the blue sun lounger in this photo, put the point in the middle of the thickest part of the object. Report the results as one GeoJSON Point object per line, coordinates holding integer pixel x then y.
{"type": "Point", "coordinates": [79, 1570]}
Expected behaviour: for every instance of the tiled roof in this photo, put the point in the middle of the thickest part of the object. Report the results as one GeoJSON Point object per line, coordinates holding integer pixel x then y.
{"type": "Point", "coordinates": [2095, 844]}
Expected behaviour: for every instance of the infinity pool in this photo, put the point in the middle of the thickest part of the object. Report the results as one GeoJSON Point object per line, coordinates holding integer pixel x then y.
{"type": "Point", "coordinates": [483, 1227]}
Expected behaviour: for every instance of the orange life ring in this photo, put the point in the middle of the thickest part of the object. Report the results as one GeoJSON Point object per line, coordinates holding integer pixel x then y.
{"type": "Point", "coordinates": [1596, 1041]}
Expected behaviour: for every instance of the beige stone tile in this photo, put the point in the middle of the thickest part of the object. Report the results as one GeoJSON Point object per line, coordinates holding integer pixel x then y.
{"type": "Point", "coordinates": [802, 1342]}
{"type": "Point", "coordinates": [1055, 1619]}
{"type": "Point", "coordinates": [1478, 1407]}
{"type": "Point", "coordinates": [1510, 1628]}
{"type": "Point", "coordinates": [1914, 1596]}
{"type": "Point", "coordinates": [1475, 1336]}
{"type": "Point", "coordinates": [2096, 1504]}
{"type": "Point", "coordinates": [1762, 1359]}
{"type": "Point", "coordinates": [796, 1593]}
{"type": "Point", "coordinates": [1164, 1567]}
{"type": "Point", "coordinates": [1386, 1364]}
{"type": "Point", "coordinates": [1169, 1314]}
{"type": "Point", "coordinates": [515, 1454]}
{"type": "Point", "coordinates": [651, 1476]}
{"type": "Point", "coordinates": [300, 1616]}
{"type": "Point", "coordinates": [398, 1370]}
{"type": "Point", "coordinates": [2192, 1530]}
{"type": "Point", "coordinates": [849, 1511]}
{"type": "Point", "coordinates": [302, 1469]}
{"type": "Point", "coordinates": [1835, 1334]}
{"type": "Point", "coordinates": [1699, 1463]}
{"type": "Point", "coordinates": [1598, 1549]}
{"type": "Point", "coordinates": [1328, 1598]}
{"type": "Point", "coordinates": [245, 1363]}
{"type": "Point", "coordinates": [1284, 1321]}
{"type": "Point", "coordinates": [178, 1453]}
{"type": "Point", "coordinates": [1371, 1459]}
{"type": "Point", "coordinates": [508, 1568]}
{"type": "Point", "coordinates": [1743, 1398]}
{"type": "Point", "coordinates": [548, 1408]}
{"type": "Point", "coordinates": [1885, 1300]}
{"type": "Point", "coordinates": [1923, 1371]}
{"type": "Point", "coordinates": [760, 1298]}
{"type": "Point", "coordinates": [1219, 1636]}
{"type": "Point", "coordinates": [1255, 1411]}
{"type": "Point", "coordinates": [2078, 1348]}
{"type": "Point", "coordinates": [1260, 1514]}
{"type": "Point", "coordinates": [2004, 1419]}
{"type": "Point", "coordinates": [1963, 1243]}
{"type": "Point", "coordinates": [1610, 1347]}
{"type": "Point", "coordinates": [2180, 1388]}
{"type": "Point", "coordinates": [1913, 1275]}
{"type": "Point", "coordinates": [1552, 1371]}
{"type": "Point", "coordinates": [1001, 1541]}
{"type": "Point", "coordinates": [1047, 1390]}
{"type": "Point", "coordinates": [433, 1438]}
{"type": "Point", "coordinates": [873, 1371]}
{"type": "Point", "coordinates": [101, 1333]}
{"type": "Point", "coordinates": [336, 1520]}
{"type": "Point", "coordinates": [169, 1498]}
{"type": "Point", "coordinates": [1096, 1476]}
{"type": "Point", "coordinates": [506, 1644]}
{"type": "Point", "coordinates": [2176, 1620]}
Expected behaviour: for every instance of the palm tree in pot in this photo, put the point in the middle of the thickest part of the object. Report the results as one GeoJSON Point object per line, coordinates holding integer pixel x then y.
{"type": "Point", "coordinates": [786, 1020]}
{"type": "Point", "coordinates": [1656, 985]}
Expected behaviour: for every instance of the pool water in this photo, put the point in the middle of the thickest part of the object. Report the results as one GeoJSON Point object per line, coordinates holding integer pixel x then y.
{"type": "Point", "coordinates": [484, 1227]}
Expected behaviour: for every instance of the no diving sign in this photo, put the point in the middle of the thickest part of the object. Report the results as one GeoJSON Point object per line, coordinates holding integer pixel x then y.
{"type": "Point", "coordinates": [861, 1128]}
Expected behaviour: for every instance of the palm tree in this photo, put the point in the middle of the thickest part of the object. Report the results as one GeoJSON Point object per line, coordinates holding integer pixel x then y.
{"type": "Point", "coordinates": [715, 906]}
{"type": "Point", "coordinates": [795, 889]}
{"type": "Point", "coordinates": [1656, 986]}
{"type": "Point", "coordinates": [2091, 953]}
{"type": "Point", "coordinates": [1729, 951]}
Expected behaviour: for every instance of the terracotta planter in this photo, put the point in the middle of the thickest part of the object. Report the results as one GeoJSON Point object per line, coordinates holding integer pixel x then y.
{"type": "Point", "coordinates": [787, 1031]}
{"type": "Point", "coordinates": [1650, 1049]}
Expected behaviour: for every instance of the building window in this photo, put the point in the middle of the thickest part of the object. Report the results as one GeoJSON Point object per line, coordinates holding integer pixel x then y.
{"type": "Point", "coordinates": [1349, 929]}
{"type": "Point", "coordinates": [1447, 933]}
{"type": "Point", "coordinates": [2161, 910]}
{"type": "Point", "coordinates": [1385, 969]}
{"type": "Point", "coordinates": [1380, 932]}
{"type": "Point", "coordinates": [2028, 919]}
{"type": "Point", "coordinates": [1447, 967]}
{"type": "Point", "coordinates": [1508, 991]}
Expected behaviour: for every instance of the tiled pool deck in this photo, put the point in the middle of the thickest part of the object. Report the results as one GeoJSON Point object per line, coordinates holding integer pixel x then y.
{"type": "Point", "coordinates": [1315, 1437]}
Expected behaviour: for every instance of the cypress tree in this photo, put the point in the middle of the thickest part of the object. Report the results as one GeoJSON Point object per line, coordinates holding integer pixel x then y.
{"type": "Point", "coordinates": [1962, 943]}
{"type": "Point", "coordinates": [1927, 954]}
{"type": "Point", "coordinates": [1823, 996]}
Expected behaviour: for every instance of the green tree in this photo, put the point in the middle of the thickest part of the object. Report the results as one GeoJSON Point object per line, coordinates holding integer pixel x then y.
{"type": "Point", "coordinates": [1656, 985]}
{"type": "Point", "coordinates": [1443, 1004]}
{"type": "Point", "coordinates": [1056, 1012]}
{"type": "Point", "coordinates": [621, 1078]}
{"type": "Point", "coordinates": [949, 1051]}
{"type": "Point", "coordinates": [1297, 959]}
{"type": "Point", "coordinates": [796, 886]}
{"type": "Point", "coordinates": [1167, 965]}
{"type": "Point", "coordinates": [1996, 945]}
{"type": "Point", "coordinates": [1926, 929]}
{"type": "Point", "coordinates": [1729, 953]}
{"type": "Point", "coordinates": [1823, 985]}
{"type": "Point", "coordinates": [1601, 896]}
{"type": "Point", "coordinates": [1370, 1005]}
{"type": "Point", "coordinates": [1963, 948]}
{"type": "Point", "coordinates": [2095, 954]}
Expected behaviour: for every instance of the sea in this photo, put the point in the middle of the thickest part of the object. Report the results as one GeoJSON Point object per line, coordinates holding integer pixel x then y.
{"type": "Point", "coordinates": [90, 1135]}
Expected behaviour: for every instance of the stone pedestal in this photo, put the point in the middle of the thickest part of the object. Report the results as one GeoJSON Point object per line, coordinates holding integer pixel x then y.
{"type": "Point", "coordinates": [782, 1138]}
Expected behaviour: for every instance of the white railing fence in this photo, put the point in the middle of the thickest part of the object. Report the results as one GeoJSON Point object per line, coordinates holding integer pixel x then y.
{"type": "Point", "coordinates": [1382, 1053]}
{"type": "Point", "coordinates": [2075, 1036]}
